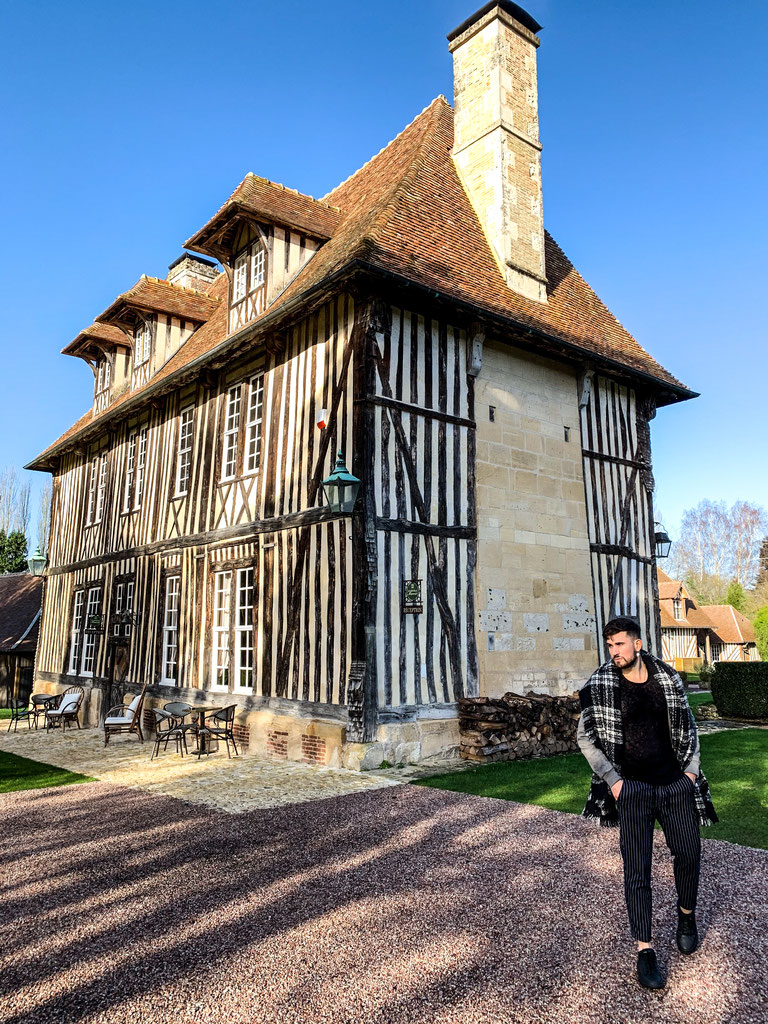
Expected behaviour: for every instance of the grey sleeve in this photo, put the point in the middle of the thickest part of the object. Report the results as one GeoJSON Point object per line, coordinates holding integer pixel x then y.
{"type": "Point", "coordinates": [598, 762]}
{"type": "Point", "coordinates": [694, 765]}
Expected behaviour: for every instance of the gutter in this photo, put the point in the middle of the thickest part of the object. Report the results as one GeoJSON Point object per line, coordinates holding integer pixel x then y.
{"type": "Point", "coordinates": [679, 393]}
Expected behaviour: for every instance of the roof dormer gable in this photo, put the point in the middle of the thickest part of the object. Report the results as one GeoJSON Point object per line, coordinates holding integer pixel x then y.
{"type": "Point", "coordinates": [264, 234]}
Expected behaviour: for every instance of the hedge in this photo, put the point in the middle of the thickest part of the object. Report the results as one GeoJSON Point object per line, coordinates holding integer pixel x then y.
{"type": "Point", "coordinates": [740, 689]}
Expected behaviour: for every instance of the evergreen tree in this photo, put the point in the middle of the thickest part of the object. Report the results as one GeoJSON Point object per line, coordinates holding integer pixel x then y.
{"type": "Point", "coordinates": [13, 551]}
{"type": "Point", "coordinates": [760, 622]}
{"type": "Point", "coordinates": [736, 596]}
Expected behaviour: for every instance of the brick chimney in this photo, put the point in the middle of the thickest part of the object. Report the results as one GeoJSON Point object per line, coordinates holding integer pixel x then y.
{"type": "Point", "coordinates": [190, 271]}
{"type": "Point", "coordinates": [496, 147]}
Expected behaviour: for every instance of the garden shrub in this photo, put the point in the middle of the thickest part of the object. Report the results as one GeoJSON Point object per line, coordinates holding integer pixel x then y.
{"type": "Point", "coordinates": [740, 689]}
{"type": "Point", "coordinates": [683, 676]}
{"type": "Point", "coordinates": [706, 673]}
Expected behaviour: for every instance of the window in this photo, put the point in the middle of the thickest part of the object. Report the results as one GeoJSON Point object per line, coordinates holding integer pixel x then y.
{"type": "Point", "coordinates": [103, 376]}
{"type": "Point", "coordinates": [253, 424]}
{"type": "Point", "coordinates": [90, 631]}
{"type": "Point", "coordinates": [171, 630]}
{"type": "Point", "coordinates": [76, 644]}
{"type": "Point", "coordinates": [240, 277]}
{"type": "Point", "coordinates": [142, 342]}
{"type": "Point", "coordinates": [233, 631]}
{"type": "Point", "coordinates": [85, 631]}
{"type": "Point", "coordinates": [258, 266]}
{"type": "Point", "coordinates": [122, 608]}
{"type": "Point", "coordinates": [135, 462]}
{"type": "Point", "coordinates": [231, 431]}
{"type": "Point", "coordinates": [97, 487]}
{"type": "Point", "coordinates": [250, 395]}
{"type": "Point", "coordinates": [244, 630]}
{"type": "Point", "coordinates": [222, 582]}
{"type": "Point", "coordinates": [184, 450]}
{"type": "Point", "coordinates": [677, 608]}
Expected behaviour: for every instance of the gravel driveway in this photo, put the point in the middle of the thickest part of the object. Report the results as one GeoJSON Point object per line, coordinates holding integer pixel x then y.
{"type": "Point", "coordinates": [396, 905]}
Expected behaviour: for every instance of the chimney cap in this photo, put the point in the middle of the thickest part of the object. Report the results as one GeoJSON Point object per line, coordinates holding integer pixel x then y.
{"type": "Point", "coordinates": [506, 5]}
{"type": "Point", "coordinates": [194, 258]}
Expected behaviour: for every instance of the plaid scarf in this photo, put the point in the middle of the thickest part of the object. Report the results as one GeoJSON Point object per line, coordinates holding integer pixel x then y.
{"type": "Point", "coordinates": [601, 716]}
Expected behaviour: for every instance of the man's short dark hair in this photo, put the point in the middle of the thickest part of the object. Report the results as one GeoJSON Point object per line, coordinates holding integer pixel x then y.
{"type": "Point", "coordinates": [622, 624]}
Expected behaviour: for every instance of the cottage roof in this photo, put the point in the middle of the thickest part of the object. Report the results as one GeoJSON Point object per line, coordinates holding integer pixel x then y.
{"type": "Point", "coordinates": [258, 198]}
{"type": "Point", "coordinates": [405, 216]}
{"type": "Point", "coordinates": [153, 295]}
{"type": "Point", "coordinates": [97, 338]}
{"type": "Point", "coordinates": [732, 627]}
{"type": "Point", "coordinates": [20, 600]}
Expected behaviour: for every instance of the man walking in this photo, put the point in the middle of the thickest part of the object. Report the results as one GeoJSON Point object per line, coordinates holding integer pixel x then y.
{"type": "Point", "coordinates": [638, 734]}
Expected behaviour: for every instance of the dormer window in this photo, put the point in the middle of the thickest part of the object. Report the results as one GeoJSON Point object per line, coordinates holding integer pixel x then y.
{"type": "Point", "coordinates": [249, 284]}
{"type": "Point", "coordinates": [677, 608]}
{"type": "Point", "coordinates": [142, 343]}
{"type": "Point", "coordinates": [103, 381]}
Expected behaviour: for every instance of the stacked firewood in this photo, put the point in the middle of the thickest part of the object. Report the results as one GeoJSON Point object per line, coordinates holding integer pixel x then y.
{"type": "Point", "coordinates": [515, 726]}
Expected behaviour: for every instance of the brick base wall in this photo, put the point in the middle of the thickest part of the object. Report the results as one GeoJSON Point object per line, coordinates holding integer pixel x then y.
{"type": "Point", "coordinates": [277, 744]}
{"type": "Point", "coordinates": [242, 734]}
{"type": "Point", "coordinates": [312, 750]}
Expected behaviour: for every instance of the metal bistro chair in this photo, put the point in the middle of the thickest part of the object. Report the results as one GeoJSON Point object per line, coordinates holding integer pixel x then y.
{"type": "Point", "coordinates": [178, 710]}
{"type": "Point", "coordinates": [224, 726]}
{"type": "Point", "coordinates": [20, 713]}
{"type": "Point", "coordinates": [167, 728]}
{"type": "Point", "coordinates": [42, 702]}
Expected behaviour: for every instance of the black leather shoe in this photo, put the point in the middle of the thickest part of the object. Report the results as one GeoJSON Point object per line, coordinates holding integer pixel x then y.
{"type": "Point", "coordinates": [648, 973]}
{"type": "Point", "coordinates": [687, 933]}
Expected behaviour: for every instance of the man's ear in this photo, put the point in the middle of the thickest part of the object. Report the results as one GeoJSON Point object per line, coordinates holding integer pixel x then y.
{"type": "Point", "coordinates": [638, 644]}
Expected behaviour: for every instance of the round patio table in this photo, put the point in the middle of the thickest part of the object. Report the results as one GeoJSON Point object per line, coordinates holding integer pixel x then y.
{"type": "Point", "coordinates": [203, 739]}
{"type": "Point", "coordinates": [41, 701]}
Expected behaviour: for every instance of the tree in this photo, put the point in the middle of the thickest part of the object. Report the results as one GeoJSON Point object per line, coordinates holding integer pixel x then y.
{"type": "Point", "coordinates": [14, 501]}
{"type": "Point", "coordinates": [13, 551]}
{"type": "Point", "coordinates": [718, 544]}
{"type": "Point", "coordinates": [760, 623]}
{"type": "Point", "coordinates": [44, 519]}
{"type": "Point", "coordinates": [736, 596]}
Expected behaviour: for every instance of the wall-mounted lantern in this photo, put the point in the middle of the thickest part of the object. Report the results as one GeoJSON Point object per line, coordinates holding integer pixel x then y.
{"type": "Point", "coordinates": [661, 541]}
{"type": "Point", "coordinates": [341, 488]}
{"type": "Point", "coordinates": [37, 563]}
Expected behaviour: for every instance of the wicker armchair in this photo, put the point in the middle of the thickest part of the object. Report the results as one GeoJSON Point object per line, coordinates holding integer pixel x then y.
{"type": "Point", "coordinates": [68, 709]}
{"type": "Point", "coordinates": [125, 718]}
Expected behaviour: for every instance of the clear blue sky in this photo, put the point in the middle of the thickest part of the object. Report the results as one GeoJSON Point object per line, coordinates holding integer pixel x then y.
{"type": "Point", "coordinates": [126, 126]}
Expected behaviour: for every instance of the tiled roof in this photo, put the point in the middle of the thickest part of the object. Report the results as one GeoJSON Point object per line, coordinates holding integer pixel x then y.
{"type": "Point", "coordinates": [100, 333]}
{"type": "Point", "coordinates": [732, 627]}
{"type": "Point", "coordinates": [156, 296]}
{"type": "Point", "coordinates": [404, 213]}
{"type": "Point", "coordinates": [20, 599]}
{"type": "Point", "coordinates": [669, 590]}
{"type": "Point", "coordinates": [273, 203]}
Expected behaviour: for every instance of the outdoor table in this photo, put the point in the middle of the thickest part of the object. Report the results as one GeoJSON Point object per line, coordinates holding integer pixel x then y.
{"type": "Point", "coordinates": [41, 701]}
{"type": "Point", "coordinates": [201, 710]}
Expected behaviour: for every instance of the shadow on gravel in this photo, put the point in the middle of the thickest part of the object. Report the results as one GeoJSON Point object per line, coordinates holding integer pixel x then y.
{"type": "Point", "coordinates": [398, 904]}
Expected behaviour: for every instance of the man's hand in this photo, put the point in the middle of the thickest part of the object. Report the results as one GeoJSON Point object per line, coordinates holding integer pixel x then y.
{"type": "Point", "coordinates": [616, 788]}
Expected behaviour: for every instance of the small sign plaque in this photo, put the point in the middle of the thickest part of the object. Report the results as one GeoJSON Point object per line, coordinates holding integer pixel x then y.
{"type": "Point", "coordinates": [412, 603]}
{"type": "Point", "coordinates": [94, 624]}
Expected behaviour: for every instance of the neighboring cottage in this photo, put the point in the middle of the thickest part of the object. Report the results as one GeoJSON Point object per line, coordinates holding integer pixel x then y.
{"type": "Point", "coordinates": [692, 634]}
{"type": "Point", "coordinates": [20, 601]}
{"type": "Point", "coordinates": [495, 412]}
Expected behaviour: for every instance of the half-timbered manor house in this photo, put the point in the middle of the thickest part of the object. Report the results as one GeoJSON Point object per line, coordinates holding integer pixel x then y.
{"type": "Point", "coordinates": [495, 412]}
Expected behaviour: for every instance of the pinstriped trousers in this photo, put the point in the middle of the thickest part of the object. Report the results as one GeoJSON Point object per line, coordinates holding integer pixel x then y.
{"type": "Point", "coordinates": [639, 805]}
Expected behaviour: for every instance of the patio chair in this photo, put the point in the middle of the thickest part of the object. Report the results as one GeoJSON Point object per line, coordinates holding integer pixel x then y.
{"type": "Point", "coordinates": [68, 709]}
{"type": "Point", "coordinates": [125, 718]}
{"type": "Point", "coordinates": [40, 702]}
{"type": "Point", "coordinates": [222, 724]}
{"type": "Point", "coordinates": [167, 728]}
{"type": "Point", "coordinates": [20, 712]}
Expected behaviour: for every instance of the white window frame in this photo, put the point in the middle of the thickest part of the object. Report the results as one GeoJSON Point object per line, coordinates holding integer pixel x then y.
{"type": "Point", "coordinates": [89, 639]}
{"type": "Point", "coordinates": [244, 631]}
{"type": "Point", "coordinates": [239, 278]}
{"type": "Point", "coordinates": [232, 413]}
{"type": "Point", "coordinates": [93, 471]}
{"type": "Point", "coordinates": [220, 646]}
{"type": "Point", "coordinates": [170, 661]}
{"type": "Point", "coordinates": [258, 266]}
{"type": "Point", "coordinates": [253, 424]}
{"type": "Point", "coordinates": [184, 450]}
{"type": "Point", "coordinates": [76, 643]}
{"type": "Point", "coordinates": [142, 342]}
{"type": "Point", "coordinates": [141, 463]}
{"type": "Point", "coordinates": [130, 470]}
{"type": "Point", "coordinates": [101, 487]}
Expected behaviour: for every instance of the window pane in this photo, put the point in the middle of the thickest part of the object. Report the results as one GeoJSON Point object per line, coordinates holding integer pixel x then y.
{"type": "Point", "coordinates": [184, 455]}
{"type": "Point", "coordinates": [238, 284]}
{"type": "Point", "coordinates": [171, 629]}
{"type": "Point", "coordinates": [253, 426]}
{"type": "Point", "coordinates": [222, 583]}
{"type": "Point", "coordinates": [231, 430]}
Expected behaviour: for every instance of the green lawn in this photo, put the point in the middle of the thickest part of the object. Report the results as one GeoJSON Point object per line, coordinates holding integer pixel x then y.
{"type": "Point", "coordinates": [735, 763]}
{"type": "Point", "coordinates": [695, 699]}
{"type": "Point", "coordinates": [5, 713]}
{"type": "Point", "coordinates": [20, 773]}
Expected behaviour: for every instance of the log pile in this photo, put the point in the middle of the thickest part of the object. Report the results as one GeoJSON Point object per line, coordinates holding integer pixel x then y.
{"type": "Point", "coordinates": [515, 726]}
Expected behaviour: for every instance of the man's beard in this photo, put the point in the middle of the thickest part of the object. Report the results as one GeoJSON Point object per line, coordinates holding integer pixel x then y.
{"type": "Point", "coordinates": [621, 662]}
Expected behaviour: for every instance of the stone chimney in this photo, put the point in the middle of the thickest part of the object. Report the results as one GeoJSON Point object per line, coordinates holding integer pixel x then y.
{"type": "Point", "coordinates": [496, 147]}
{"type": "Point", "coordinates": [192, 272]}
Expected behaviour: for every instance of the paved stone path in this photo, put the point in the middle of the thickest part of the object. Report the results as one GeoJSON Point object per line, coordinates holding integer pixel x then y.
{"type": "Point", "coordinates": [241, 784]}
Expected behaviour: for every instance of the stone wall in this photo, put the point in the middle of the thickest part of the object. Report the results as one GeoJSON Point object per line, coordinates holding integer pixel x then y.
{"type": "Point", "coordinates": [534, 601]}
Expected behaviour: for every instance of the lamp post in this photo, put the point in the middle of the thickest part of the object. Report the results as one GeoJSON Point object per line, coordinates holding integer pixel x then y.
{"type": "Point", "coordinates": [661, 542]}
{"type": "Point", "coordinates": [37, 563]}
{"type": "Point", "coordinates": [341, 488]}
